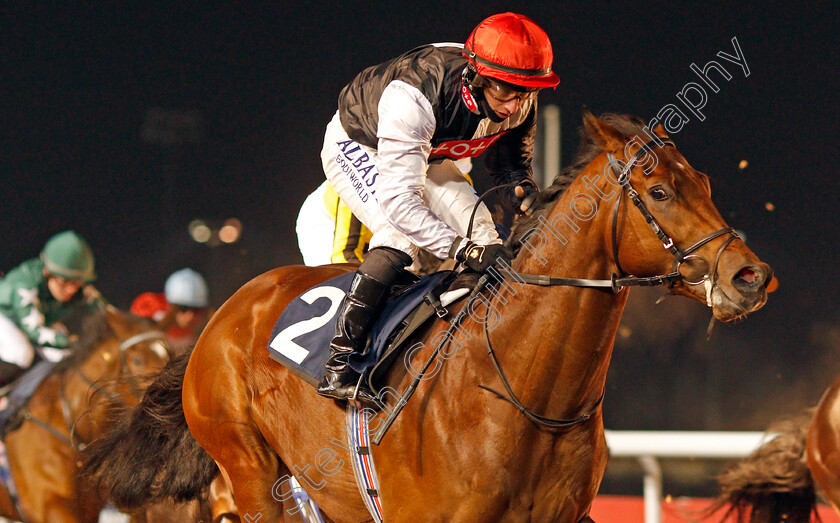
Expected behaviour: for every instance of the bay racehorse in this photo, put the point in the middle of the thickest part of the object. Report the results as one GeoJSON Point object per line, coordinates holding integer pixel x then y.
{"type": "Point", "coordinates": [111, 364]}
{"type": "Point", "coordinates": [780, 479]}
{"type": "Point", "coordinates": [459, 451]}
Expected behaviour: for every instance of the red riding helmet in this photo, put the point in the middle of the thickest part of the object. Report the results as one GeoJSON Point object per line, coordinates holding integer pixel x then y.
{"type": "Point", "coordinates": [150, 305]}
{"type": "Point", "coordinates": [512, 48]}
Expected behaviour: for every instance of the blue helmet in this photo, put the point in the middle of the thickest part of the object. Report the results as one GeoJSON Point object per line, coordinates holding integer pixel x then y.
{"type": "Point", "coordinates": [186, 288]}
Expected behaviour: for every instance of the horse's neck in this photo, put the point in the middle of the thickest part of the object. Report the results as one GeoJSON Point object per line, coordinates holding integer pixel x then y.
{"type": "Point", "coordinates": [102, 362]}
{"type": "Point", "coordinates": [559, 339]}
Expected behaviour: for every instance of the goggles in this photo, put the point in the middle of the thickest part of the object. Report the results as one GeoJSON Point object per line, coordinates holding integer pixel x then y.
{"type": "Point", "coordinates": [504, 93]}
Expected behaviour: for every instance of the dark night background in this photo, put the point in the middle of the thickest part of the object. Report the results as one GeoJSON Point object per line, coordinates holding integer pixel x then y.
{"type": "Point", "coordinates": [79, 82]}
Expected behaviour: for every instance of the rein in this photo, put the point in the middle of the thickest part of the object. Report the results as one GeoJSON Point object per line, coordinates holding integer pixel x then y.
{"type": "Point", "coordinates": [551, 423]}
{"type": "Point", "coordinates": [616, 282]}
{"type": "Point", "coordinates": [66, 411]}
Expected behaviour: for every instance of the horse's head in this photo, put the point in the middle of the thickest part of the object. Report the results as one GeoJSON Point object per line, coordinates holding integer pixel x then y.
{"type": "Point", "coordinates": [139, 351]}
{"type": "Point", "coordinates": [117, 354]}
{"type": "Point", "coordinates": [664, 220]}
{"type": "Point", "coordinates": [112, 363]}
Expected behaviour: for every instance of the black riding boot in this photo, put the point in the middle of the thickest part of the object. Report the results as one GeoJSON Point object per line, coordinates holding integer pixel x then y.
{"type": "Point", "coordinates": [361, 307]}
{"type": "Point", "coordinates": [359, 311]}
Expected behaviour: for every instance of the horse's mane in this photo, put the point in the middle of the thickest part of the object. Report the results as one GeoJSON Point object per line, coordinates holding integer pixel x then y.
{"type": "Point", "coordinates": [94, 330]}
{"type": "Point", "coordinates": [626, 124]}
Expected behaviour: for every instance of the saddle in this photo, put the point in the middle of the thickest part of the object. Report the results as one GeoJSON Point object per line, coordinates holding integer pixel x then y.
{"type": "Point", "coordinates": [301, 336]}
{"type": "Point", "coordinates": [15, 396]}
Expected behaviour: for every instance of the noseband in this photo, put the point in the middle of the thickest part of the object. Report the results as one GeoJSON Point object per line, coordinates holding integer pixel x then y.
{"type": "Point", "coordinates": [124, 369]}
{"type": "Point", "coordinates": [680, 255]}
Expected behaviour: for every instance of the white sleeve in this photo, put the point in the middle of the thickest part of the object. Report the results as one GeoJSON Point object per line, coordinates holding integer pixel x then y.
{"type": "Point", "coordinates": [406, 126]}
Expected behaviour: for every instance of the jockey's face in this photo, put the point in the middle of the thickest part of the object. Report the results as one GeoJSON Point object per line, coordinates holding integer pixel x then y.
{"type": "Point", "coordinates": [503, 101]}
{"type": "Point", "coordinates": [186, 317]}
{"type": "Point", "coordinates": [62, 289]}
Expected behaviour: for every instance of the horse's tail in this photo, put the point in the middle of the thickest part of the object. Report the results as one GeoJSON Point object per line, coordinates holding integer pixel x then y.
{"type": "Point", "coordinates": [149, 454]}
{"type": "Point", "coordinates": [774, 482]}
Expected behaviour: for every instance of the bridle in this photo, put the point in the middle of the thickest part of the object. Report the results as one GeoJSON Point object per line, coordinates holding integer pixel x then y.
{"type": "Point", "coordinates": [622, 279]}
{"type": "Point", "coordinates": [66, 409]}
{"type": "Point", "coordinates": [680, 255]}
{"type": "Point", "coordinates": [617, 281]}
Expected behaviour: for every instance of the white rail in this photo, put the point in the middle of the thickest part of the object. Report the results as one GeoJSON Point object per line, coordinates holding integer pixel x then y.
{"type": "Point", "coordinates": [646, 446]}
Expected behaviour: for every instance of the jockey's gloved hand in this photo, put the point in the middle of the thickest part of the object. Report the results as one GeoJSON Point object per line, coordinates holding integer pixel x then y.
{"type": "Point", "coordinates": [479, 257]}
{"type": "Point", "coordinates": [526, 194]}
{"type": "Point", "coordinates": [91, 293]}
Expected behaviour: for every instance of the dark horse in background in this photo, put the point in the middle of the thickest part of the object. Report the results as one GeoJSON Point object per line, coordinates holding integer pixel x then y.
{"type": "Point", "coordinates": [457, 452]}
{"type": "Point", "coordinates": [112, 362]}
{"type": "Point", "coordinates": [779, 480]}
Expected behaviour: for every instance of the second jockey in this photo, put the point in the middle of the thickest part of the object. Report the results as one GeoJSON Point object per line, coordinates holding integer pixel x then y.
{"type": "Point", "coordinates": [37, 296]}
{"type": "Point", "coordinates": [181, 311]}
{"type": "Point", "coordinates": [389, 153]}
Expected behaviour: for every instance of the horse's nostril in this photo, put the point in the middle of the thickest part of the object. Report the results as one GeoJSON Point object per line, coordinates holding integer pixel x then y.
{"type": "Point", "coordinates": [748, 275]}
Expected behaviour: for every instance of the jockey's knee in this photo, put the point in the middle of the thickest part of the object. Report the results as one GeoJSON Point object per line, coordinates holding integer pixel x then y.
{"type": "Point", "coordinates": [15, 347]}
{"type": "Point", "coordinates": [385, 264]}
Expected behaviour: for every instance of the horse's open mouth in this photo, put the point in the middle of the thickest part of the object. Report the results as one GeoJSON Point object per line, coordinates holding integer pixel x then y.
{"type": "Point", "coordinates": [748, 275]}
{"type": "Point", "coordinates": [725, 308]}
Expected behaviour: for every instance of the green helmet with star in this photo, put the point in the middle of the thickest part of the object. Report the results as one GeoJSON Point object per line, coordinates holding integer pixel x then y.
{"type": "Point", "coordinates": [68, 255]}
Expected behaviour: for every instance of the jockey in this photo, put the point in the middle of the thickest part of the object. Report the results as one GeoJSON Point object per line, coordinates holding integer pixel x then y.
{"type": "Point", "coordinates": [37, 295]}
{"type": "Point", "coordinates": [182, 310]}
{"type": "Point", "coordinates": [389, 152]}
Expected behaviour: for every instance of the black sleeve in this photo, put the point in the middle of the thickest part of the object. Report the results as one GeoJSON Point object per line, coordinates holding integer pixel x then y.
{"type": "Point", "coordinates": [509, 159]}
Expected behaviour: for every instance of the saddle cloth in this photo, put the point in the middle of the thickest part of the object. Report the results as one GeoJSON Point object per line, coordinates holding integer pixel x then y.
{"type": "Point", "coordinates": [301, 337]}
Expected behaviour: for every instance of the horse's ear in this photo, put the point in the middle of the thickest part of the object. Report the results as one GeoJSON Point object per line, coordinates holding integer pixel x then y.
{"type": "Point", "coordinates": [605, 135]}
{"type": "Point", "coordinates": [111, 312]}
{"type": "Point", "coordinates": [659, 130]}
{"type": "Point", "coordinates": [116, 319]}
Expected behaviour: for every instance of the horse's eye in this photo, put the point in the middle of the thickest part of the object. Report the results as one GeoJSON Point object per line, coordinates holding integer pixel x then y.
{"type": "Point", "coordinates": [659, 194]}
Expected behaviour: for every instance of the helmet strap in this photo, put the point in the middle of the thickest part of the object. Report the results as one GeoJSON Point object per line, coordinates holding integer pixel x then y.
{"type": "Point", "coordinates": [472, 79]}
{"type": "Point", "coordinates": [488, 111]}
{"type": "Point", "coordinates": [476, 84]}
